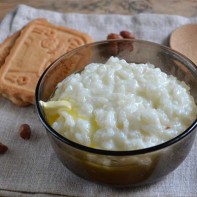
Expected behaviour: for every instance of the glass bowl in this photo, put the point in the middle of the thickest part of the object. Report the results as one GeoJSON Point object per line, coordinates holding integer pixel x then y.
{"type": "Point", "coordinates": [119, 168]}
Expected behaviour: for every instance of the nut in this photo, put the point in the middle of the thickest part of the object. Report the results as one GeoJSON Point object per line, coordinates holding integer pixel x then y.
{"type": "Point", "coordinates": [113, 36]}
{"type": "Point", "coordinates": [25, 131]}
{"type": "Point", "coordinates": [113, 49]}
{"type": "Point", "coordinates": [125, 46]}
{"type": "Point", "coordinates": [3, 148]}
{"type": "Point", "coordinates": [127, 34]}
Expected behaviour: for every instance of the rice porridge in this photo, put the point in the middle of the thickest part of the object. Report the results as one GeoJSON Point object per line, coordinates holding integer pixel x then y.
{"type": "Point", "coordinates": [120, 106]}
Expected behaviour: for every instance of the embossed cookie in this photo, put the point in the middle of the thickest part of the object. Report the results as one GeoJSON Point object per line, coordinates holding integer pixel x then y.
{"type": "Point", "coordinates": [6, 46]}
{"type": "Point", "coordinates": [38, 45]}
{"type": "Point", "coordinates": [9, 42]}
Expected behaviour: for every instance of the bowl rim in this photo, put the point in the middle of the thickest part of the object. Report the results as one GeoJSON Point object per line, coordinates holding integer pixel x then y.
{"type": "Point", "coordinates": [102, 151]}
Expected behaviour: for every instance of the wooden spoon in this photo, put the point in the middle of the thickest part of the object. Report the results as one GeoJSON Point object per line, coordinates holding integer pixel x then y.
{"type": "Point", "coordinates": [184, 40]}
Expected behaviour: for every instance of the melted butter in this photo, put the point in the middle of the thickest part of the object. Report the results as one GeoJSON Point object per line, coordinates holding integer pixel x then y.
{"type": "Point", "coordinates": [54, 109]}
{"type": "Point", "coordinates": [94, 128]}
{"type": "Point", "coordinates": [51, 119]}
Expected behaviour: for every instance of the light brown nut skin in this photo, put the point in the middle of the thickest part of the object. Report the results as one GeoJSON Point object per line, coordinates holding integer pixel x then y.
{"type": "Point", "coordinates": [113, 36]}
{"type": "Point", "coordinates": [3, 148]}
{"type": "Point", "coordinates": [114, 49]}
{"type": "Point", "coordinates": [127, 35]}
{"type": "Point", "coordinates": [25, 131]}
